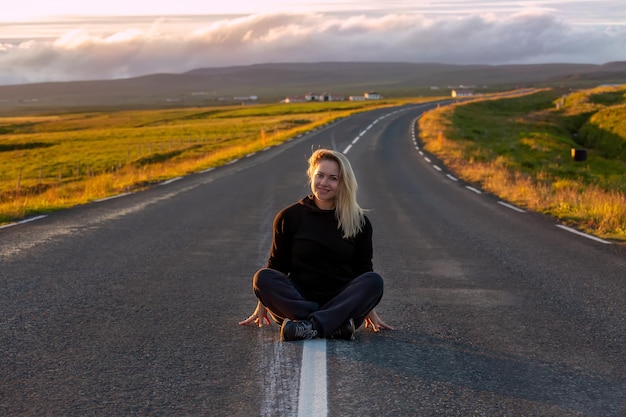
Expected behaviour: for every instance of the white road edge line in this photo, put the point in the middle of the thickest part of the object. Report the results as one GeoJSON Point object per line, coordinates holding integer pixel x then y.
{"type": "Point", "coordinates": [476, 190]}
{"type": "Point", "coordinates": [32, 219]}
{"type": "Point", "coordinates": [569, 229]}
{"type": "Point", "coordinates": [171, 181]}
{"type": "Point", "coordinates": [111, 198]}
{"type": "Point", "coordinates": [512, 207]}
{"type": "Point", "coordinates": [312, 401]}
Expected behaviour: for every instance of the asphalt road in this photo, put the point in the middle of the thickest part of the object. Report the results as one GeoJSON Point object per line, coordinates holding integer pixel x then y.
{"type": "Point", "coordinates": [129, 307]}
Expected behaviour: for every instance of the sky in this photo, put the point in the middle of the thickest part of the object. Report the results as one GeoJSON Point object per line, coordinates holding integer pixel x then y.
{"type": "Point", "coordinates": [68, 40]}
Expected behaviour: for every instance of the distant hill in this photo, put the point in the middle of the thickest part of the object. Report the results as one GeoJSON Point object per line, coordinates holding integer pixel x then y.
{"type": "Point", "coordinates": [272, 82]}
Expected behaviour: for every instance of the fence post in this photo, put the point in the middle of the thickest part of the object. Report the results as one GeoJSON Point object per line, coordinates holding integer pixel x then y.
{"type": "Point", "coordinates": [19, 180]}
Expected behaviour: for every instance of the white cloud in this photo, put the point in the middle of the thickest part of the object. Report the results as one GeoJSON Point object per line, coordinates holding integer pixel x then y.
{"type": "Point", "coordinates": [180, 44]}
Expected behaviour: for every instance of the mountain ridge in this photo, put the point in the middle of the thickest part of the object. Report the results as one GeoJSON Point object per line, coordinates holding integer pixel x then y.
{"type": "Point", "coordinates": [273, 81]}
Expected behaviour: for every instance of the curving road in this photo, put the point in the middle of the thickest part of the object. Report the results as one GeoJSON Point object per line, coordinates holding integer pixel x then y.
{"type": "Point", "coordinates": [129, 306]}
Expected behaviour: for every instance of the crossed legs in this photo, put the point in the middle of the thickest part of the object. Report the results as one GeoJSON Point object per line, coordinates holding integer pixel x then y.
{"type": "Point", "coordinates": [277, 293]}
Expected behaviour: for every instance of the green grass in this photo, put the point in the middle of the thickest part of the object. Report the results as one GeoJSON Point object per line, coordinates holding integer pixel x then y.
{"type": "Point", "coordinates": [520, 149]}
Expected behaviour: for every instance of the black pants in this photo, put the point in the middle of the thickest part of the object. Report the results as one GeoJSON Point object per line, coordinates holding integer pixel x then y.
{"type": "Point", "coordinates": [283, 300]}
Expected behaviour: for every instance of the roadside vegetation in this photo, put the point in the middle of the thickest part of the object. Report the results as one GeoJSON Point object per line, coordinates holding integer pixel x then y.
{"type": "Point", "coordinates": [521, 149]}
{"type": "Point", "coordinates": [55, 161]}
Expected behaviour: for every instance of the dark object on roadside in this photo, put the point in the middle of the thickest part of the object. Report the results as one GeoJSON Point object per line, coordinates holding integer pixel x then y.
{"type": "Point", "coordinates": [579, 154]}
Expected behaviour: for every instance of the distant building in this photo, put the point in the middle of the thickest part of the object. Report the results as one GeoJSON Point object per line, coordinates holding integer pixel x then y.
{"type": "Point", "coordinates": [372, 95]}
{"type": "Point", "coordinates": [462, 92]}
{"type": "Point", "coordinates": [294, 99]}
{"type": "Point", "coordinates": [317, 97]}
{"type": "Point", "coordinates": [313, 97]}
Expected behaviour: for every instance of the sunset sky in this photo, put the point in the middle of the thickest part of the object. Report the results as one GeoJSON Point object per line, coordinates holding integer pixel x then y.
{"type": "Point", "coordinates": [66, 40]}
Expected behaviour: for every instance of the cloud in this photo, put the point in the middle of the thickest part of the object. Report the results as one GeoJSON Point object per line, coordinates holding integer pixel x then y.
{"type": "Point", "coordinates": [528, 37]}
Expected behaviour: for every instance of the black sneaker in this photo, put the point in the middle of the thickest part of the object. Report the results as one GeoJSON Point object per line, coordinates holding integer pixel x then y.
{"type": "Point", "coordinates": [345, 332]}
{"type": "Point", "coordinates": [297, 330]}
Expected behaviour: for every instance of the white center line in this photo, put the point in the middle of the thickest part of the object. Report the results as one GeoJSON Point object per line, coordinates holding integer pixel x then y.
{"type": "Point", "coordinates": [312, 400]}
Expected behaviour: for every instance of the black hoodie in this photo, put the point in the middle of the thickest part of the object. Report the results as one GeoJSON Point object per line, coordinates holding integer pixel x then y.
{"type": "Point", "coordinates": [309, 248]}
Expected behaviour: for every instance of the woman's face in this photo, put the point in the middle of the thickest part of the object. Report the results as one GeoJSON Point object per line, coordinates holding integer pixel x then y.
{"type": "Point", "coordinates": [325, 183]}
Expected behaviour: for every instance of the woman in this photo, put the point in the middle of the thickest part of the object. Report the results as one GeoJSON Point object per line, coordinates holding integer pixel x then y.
{"type": "Point", "coordinates": [319, 280]}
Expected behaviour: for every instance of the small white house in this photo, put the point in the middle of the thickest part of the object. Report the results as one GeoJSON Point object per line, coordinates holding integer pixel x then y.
{"type": "Point", "coordinates": [372, 95]}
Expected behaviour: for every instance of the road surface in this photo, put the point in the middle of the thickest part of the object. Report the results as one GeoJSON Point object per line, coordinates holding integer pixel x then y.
{"type": "Point", "coordinates": [129, 306]}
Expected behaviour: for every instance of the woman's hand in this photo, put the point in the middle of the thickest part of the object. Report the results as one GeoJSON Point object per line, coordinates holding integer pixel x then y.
{"type": "Point", "coordinates": [258, 317]}
{"type": "Point", "coordinates": [372, 320]}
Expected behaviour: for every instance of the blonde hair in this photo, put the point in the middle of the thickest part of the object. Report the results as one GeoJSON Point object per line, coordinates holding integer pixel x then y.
{"type": "Point", "coordinates": [349, 214]}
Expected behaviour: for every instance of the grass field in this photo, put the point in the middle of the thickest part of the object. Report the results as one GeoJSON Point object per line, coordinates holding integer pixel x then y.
{"type": "Point", "coordinates": [521, 150]}
{"type": "Point", "coordinates": [55, 161]}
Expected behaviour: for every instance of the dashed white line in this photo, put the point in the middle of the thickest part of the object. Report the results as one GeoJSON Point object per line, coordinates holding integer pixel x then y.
{"type": "Point", "coordinates": [437, 167]}
{"type": "Point", "coordinates": [451, 177]}
{"type": "Point", "coordinates": [427, 159]}
{"type": "Point", "coordinates": [312, 397]}
{"type": "Point", "coordinates": [475, 190]}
